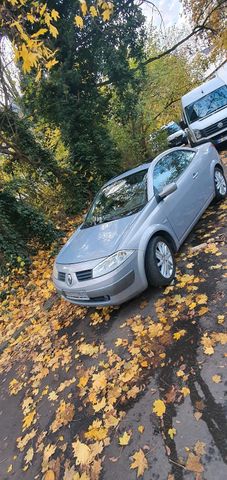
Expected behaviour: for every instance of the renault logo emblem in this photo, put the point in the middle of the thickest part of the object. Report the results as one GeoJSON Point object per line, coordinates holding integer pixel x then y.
{"type": "Point", "coordinates": [220, 125]}
{"type": "Point", "coordinates": [69, 279]}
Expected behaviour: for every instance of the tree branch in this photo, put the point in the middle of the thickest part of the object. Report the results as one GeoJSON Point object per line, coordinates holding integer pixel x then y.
{"type": "Point", "coordinates": [196, 30]}
{"type": "Point", "coordinates": [171, 102]}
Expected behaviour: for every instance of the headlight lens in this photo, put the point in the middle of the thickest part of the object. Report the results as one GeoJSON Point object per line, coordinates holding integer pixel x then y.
{"type": "Point", "coordinates": [111, 263]}
{"type": "Point", "coordinates": [55, 272]}
{"type": "Point", "coordinates": [197, 134]}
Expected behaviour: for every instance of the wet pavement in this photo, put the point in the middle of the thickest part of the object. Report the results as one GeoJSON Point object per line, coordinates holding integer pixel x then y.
{"type": "Point", "coordinates": [170, 366]}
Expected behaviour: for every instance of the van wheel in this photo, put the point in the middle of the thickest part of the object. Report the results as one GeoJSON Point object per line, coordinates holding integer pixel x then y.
{"type": "Point", "coordinates": [220, 184]}
{"type": "Point", "coordinates": [160, 264]}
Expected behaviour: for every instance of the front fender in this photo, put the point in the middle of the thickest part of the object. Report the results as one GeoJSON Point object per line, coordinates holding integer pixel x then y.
{"type": "Point", "coordinates": [148, 234]}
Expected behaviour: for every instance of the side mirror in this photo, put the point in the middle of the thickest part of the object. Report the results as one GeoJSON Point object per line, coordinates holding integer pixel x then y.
{"type": "Point", "coordinates": [182, 124]}
{"type": "Point", "coordinates": [167, 190]}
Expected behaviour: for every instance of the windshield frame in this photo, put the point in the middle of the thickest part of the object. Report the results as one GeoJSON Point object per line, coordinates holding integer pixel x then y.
{"type": "Point", "coordinates": [186, 108]}
{"type": "Point", "coordinates": [88, 224]}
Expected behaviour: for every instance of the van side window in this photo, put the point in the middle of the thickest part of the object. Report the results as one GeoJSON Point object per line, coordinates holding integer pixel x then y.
{"type": "Point", "coordinates": [170, 167]}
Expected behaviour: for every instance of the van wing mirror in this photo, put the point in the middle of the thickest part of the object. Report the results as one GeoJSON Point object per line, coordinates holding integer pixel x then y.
{"type": "Point", "coordinates": [182, 124]}
{"type": "Point", "coordinates": [167, 190]}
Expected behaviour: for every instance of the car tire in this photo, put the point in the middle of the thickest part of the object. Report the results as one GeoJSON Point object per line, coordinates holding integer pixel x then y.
{"type": "Point", "coordinates": [219, 184]}
{"type": "Point", "coordinates": [160, 264]}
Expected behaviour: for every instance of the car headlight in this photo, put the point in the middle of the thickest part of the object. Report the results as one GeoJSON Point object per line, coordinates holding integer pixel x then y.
{"type": "Point", "coordinates": [197, 134]}
{"type": "Point", "coordinates": [55, 272]}
{"type": "Point", "coordinates": [111, 263]}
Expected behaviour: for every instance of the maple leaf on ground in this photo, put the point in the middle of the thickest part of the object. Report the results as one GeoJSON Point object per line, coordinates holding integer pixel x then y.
{"type": "Point", "coordinates": [52, 396]}
{"type": "Point", "coordinates": [124, 439]}
{"type": "Point", "coordinates": [64, 415]}
{"type": "Point", "coordinates": [82, 453]}
{"type": "Point", "coordinates": [221, 319]}
{"type": "Point", "coordinates": [216, 378]}
{"type": "Point", "coordinates": [141, 428]}
{"type": "Point", "coordinates": [15, 386]}
{"type": "Point", "coordinates": [179, 334]}
{"type": "Point", "coordinates": [29, 455]}
{"type": "Point", "coordinates": [29, 419]}
{"type": "Point", "coordinates": [49, 450]}
{"type": "Point", "coordinates": [96, 468]}
{"type": "Point", "coordinates": [159, 408]}
{"type": "Point", "coordinates": [185, 391]}
{"type": "Point", "coordinates": [22, 441]}
{"type": "Point", "coordinates": [140, 462]}
{"type": "Point", "coordinates": [96, 431]}
{"type": "Point", "coordinates": [199, 448]}
{"type": "Point", "coordinates": [172, 432]}
{"type": "Point", "coordinates": [171, 395]}
{"type": "Point", "coordinates": [100, 405]}
{"type": "Point", "coordinates": [198, 415]}
{"type": "Point", "coordinates": [193, 463]}
{"type": "Point", "coordinates": [201, 299]}
{"type": "Point", "coordinates": [49, 475]}
{"type": "Point", "coordinates": [202, 311]}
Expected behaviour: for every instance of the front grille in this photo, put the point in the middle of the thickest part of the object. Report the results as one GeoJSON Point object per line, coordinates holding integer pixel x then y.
{"type": "Point", "coordinates": [84, 275]}
{"type": "Point", "coordinates": [212, 129]}
{"type": "Point", "coordinates": [61, 276]}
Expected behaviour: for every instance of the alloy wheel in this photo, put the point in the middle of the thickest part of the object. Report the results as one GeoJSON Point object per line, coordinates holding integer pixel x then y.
{"type": "Point", "coordinates": [220, 182]}
{"type": "Point", "coordinates": [164, 259]}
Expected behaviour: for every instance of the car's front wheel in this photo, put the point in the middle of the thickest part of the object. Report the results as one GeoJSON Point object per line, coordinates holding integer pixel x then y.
{"type": "Point", "coordinates": [220, 184]}
{"type": "Point", "coordinates": [159, 262]}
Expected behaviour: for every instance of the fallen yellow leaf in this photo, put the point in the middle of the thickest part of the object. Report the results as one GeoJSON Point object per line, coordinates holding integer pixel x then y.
{"type": "Point", "coordinates": [140, 462]}
{"type": "Point", "coordinates": [172, 432]}
{"type": "Point", "coordinates": [141, 428]}
{"type": "Point", "coordinates": [124, 439]}
{"type": "Point", "coordinates": [159, 408]}
{"type": "Point", "coordinates": [185, 391]}
{"type": "Point", "coordinates": [216, 378]}
{"type": "Point", "coordinates": [82, 453]}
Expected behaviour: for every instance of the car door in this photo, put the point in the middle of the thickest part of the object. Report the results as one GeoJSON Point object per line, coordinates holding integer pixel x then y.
{"type": "Point", "coordinates": [182, 206]}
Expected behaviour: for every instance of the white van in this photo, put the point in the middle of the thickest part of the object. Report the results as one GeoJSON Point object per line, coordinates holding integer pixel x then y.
{"type": "Point", "coordinates": [205, 111]}
{"type": "Point", "coordinates": [176, 136]}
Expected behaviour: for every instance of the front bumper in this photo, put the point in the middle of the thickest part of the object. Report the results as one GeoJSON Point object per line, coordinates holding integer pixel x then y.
{"type": "Point", "coordinates": [114, 288]}
{"type": "Point", "coordinates": [175, 142]}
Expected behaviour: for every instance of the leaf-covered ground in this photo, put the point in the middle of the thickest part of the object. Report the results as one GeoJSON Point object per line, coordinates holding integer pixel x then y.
{"type": "Point", "coordinates": [138, 391]}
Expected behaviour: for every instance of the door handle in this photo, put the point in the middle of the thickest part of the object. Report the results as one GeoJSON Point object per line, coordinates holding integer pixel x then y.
{"type": "Point", "coordinates": [195, 175]}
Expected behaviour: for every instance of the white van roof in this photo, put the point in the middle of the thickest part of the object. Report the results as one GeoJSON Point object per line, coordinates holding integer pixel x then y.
{"type": "Point", "coordinates": [202, 90]}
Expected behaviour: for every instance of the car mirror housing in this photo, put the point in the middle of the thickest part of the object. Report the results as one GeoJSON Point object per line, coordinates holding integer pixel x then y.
{"type": "Point", "coordinates": [167, 190]}
{"type": "Point", "coordinates": [182, 124]}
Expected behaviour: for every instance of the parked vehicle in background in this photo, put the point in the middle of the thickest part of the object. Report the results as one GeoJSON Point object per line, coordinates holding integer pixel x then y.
{"type": "Point", "coordinates": [205, 111]}
{"type": "Point", "coordinates": [136, 223]}
{"type": "Point", "coordinates": [176, 136]}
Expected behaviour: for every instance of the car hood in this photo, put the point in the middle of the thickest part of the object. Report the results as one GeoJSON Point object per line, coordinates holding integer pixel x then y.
{"type": "Point", "coordinates": [95, 242]}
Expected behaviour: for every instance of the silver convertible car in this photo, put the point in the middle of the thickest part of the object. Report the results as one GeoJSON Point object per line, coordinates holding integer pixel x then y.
{"type": "Point", "coordinates": [136, 223]}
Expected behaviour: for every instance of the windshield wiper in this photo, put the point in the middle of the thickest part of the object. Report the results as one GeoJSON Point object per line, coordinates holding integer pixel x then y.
{"type": "Point", "coordinates": [89, 224]}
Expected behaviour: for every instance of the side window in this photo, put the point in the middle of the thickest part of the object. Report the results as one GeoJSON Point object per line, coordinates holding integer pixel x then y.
{"type": "Point", "coordinates": [170, 167]}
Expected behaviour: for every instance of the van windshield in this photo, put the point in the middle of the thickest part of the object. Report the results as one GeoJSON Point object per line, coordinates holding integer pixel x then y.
{"type": "Point", "coordinates": [121, 198]}
{"type": "Point", "coordinates": [173, 128]}
{"type": "Point", "coordinates": [206, 105]}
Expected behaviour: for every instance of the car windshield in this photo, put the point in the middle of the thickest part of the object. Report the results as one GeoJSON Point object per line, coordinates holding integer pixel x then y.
{"type": "Point", "coordinates": [172, 128]}
{"type": "Point", "coordinates": [207, 105]}
{"type": "Point", "coordinates": [121, 198]}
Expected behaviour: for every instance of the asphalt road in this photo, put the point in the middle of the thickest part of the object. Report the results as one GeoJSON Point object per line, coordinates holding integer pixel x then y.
{"type": "Point", "coordinates": [199, 417]}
